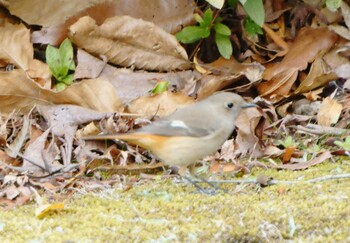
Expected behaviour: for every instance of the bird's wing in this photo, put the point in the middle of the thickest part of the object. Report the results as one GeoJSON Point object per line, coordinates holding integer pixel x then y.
{"type": "Point", "coordinates": [178, 124]}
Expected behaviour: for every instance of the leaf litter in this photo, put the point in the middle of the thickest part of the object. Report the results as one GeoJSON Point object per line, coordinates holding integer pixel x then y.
{"type": "Point", "coordinates": [121, 58]}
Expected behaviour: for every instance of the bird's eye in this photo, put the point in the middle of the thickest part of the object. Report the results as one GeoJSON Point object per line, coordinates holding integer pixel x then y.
{"type": "Point", "coordinates": [229, 105]}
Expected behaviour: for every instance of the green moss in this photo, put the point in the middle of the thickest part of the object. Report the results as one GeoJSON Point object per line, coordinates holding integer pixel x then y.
{"type": "Point", "coordinates": [169, 210]}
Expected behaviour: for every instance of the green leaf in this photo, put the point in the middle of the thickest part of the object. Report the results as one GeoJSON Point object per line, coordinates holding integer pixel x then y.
{"type": "Point", "coordinates": [288, 142]}
{"type": "Point", "coordinates": [255, 10]}
{"type": "Point", "coordinates": [345, 145]}
{"type": "Point", "coordinates": [198, 18]}
{"type": "Point", "coordinates": [207, 18]}
{"type": "Point", "coordinates": [222, 29]}
{"type": "Point", "coordinates": [232, 3]}
{"type": "Point", "coordinates": [53, 59]}
{"type": "Point", "coordinates": [60, 61]}
{"type": "Point", "coordinates": [66, 53]}
{"type": "Point", "coordinates": [333, 5]}
{"type": "Point", "coordinates": [192, 34]}
{"type": "Point", "coordinates": [251, 27]}
{"type": "Point", "coordinates": [68, 80]}
{"type": "Point", "coordinates": [216, 3]}
{"type": "Point", "coordinates": [224, 45]}
{"type": "Point", "coordinates": [60, 86]}
{"type": "Point", "coordinates": [160, 87]}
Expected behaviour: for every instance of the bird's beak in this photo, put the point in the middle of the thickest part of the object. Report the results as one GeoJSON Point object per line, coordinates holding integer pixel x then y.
{"type": "Point", "coordinates": [249, 105]}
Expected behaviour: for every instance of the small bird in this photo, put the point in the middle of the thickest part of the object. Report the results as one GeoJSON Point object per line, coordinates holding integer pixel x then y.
{"type": "Point", "coordinates": [190, 133]}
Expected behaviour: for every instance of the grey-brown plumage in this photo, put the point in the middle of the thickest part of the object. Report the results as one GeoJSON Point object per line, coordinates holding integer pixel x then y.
{"type": "Point", "coordinates": [190, 133]}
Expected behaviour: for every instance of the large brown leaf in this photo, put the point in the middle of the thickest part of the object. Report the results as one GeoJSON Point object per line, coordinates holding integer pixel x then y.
{"type": "Point", "coordinates": [307, 45]}
{"type": "Point", "coordinates": [20, 92]}
{"type": "Point", "coordinates": [127, 41]}
{"type": "Point", "coordinates": [130, 84]}
{"type": "Point", "coordinates": [222, 73]}
{"type": "Point", "coordinates": [16, 49]}
{"type": "Point", "coordinates": [57, 16]}
{"type": "Point", "coordinates": [161, 105]}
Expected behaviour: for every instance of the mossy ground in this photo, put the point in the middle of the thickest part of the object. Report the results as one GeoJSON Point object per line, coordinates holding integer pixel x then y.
{"type": "Point", "coordinates": [168, 211]}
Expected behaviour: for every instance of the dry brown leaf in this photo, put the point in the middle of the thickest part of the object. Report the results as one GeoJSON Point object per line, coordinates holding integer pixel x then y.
{"type": "Point", "coordinates": [288, 153]}
{"type": "Point", "coordinates": [329, 112]}
{"type": "Point", "coordinates": [307, 45]}
{"type": "Point", "coordinates": [33, 155]}
{"type": "Point", "coordinates": [304, 165]}
{"type": "Point", "coordinates": [15, 147]}
{"type": "Point", "coordinates": [345, 9]}
{"type": "Point", "coordinates": [226, 72]}
{"type": "Point", "coordinates": [56, 17]}
{"type": "Point", "coordinates": [128, 42]}
{"type": "Point", "coordinates": [19, 92]}
{"type": "Point", "coordinates": [277, 39]}
{"type": "Point", "coordinates": [247, 141]}
{"type": "Point", "coordinates": [130, 84]}
{"type": "Point", "coordinates": [217, 167]}
{"type": "Point", "coordinates": [62, 118]}
{"type": "Point", "coordinates": [318, 76]}
{"type": "Point", "coordinates": [341, 31]}
{"type": "Point", "coordinates": [272, 151]}
{"type": "Point", "coordinates": [279, 85]}
{"type": "Point", "coordinates": [160, 105]}
{"type": "Point", "coordinates": [16, 48]}
{"type": "Point", "coordinates": [88, 65]}
{"type": "Point", "coordinates": [227, 150]}
{"type": "Point", "coordinates": [52, 12]}
{"type": "Point", "coordinates": [63, 121]}
{"type": "Point", "coordinates": [5, 158]}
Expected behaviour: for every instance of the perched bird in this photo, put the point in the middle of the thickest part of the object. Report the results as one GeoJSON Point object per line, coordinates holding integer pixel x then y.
{"type": "Point", "coordinates": [190, 133]}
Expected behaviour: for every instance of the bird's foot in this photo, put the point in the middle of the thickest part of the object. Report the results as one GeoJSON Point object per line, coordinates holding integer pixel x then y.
{"type": "Point", "coordinates": [211, 191]}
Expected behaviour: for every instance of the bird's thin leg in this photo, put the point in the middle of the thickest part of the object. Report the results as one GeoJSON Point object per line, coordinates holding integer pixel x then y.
{"type": "Point", "coordinates": [199, 188]}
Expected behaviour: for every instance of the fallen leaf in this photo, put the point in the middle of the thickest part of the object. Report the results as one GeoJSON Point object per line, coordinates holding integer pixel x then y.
{"type": "Point", "coordinates": [12, 192]}
{"type": "Point", "coordinates": [57, 17]}
{"type": "Point", "coordinates": [130, 84]}
{"type": "Point", "coordinates": [23, 94]}
{"type": "Point", "coordinates": [288, 154]}
{"type": "Point", "coordinates": [33, 155]}
{"type": "Point", "coordinates": [246, 140]}
{"type": "Point", "coordinates": [88, 65]}
{"type": "Point", "coordinates": [307, 45]}
{"type": "Point", "coordinates": [226, 72]}
{"type": "Point", "coordinates": [318, 76]}
{"type": "Point", "coordinates": [15, 147]}
{"type": "Point", "coordinates": [227, 150]}
{"type": "Point", "coordinates": [217, 167]}
{"type": "Point", "coordinates": [301, 166]}
{"type": "Point", "coordinates": [16, 48]}
{"type": "Point", "coordinates": [329, 112]}
{"type": "Point", "coordinates": [127, 41]}
{"type": "Point", "coordinates": [161, 105]}
{"type": "Point", "coordinates": [45, 210]}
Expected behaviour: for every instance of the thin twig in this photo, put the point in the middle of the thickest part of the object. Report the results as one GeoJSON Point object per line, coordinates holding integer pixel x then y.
{"type": "Point", "coordinates": [275, 182]}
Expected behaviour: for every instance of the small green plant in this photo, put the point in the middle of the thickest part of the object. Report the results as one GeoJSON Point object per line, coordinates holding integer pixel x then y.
{"type": "Point", "coordinates": [192, 34]}
{"type": "Point", "coordinates": [345, 145]}
{"type": "Point", "coordinates": [333, 5]}
{"type": "Point", "coordinates": [253, 24]}
{"type": "Point", "coordinates": [287, 142]}
{"type": "Point", "coordinates": [160, 87]}
{"type": "Point", "coordinates": [251, 27]}
{"type": "Point", "coordinates": [61, 63]}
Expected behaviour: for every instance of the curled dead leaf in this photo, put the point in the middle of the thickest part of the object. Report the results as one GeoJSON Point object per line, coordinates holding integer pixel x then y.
{"type": "Point", "coordinates": [23, 94]}
{"type": "Point", "coordinates": [160, 105]}
{"type": "Point", "coordinates": [329, 112]}
{"type": "Point", "coordinates": [129, 42]}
